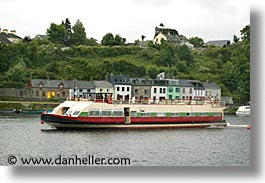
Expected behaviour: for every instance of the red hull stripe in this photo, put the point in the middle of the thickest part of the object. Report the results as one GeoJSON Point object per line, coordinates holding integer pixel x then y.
{"type": "Point", "coordinates": [134, 120]}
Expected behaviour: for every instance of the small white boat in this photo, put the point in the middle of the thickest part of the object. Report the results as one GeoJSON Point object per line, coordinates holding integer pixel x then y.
{"type": "Point", "coordinates": [243, 110]}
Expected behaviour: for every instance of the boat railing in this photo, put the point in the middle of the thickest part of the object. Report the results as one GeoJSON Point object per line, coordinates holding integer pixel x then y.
{"type": "Point", "coordinates": [146, 101]}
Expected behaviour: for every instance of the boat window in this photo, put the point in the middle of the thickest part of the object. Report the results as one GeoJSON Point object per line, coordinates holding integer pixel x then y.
{"type": "Point", "coordinates": [118, 113]}
{"type": "Point", "coordinates": [217, 114]}
{"type": "Point", "coordinates": [133, 113]}
{"type": "Point", "coordinates": [247, 107]}
{"type": "Point", "coordinates": [94, 112]}
{"type": "Point", "coordinates": [174, 114]}
{"type": "Point", "coordinates": [145, 114]}
{"type": "Point", "coordinates": [69, 112]}
{"type": "Point", "coordinates": [76, 113]}
{"type": "Point", "coordinates": [160, 114]}
{"type": "Point", "coordinates": [106, 112]}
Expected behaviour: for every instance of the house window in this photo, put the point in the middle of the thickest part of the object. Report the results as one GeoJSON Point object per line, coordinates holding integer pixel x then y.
{"type": "Point", "coordinates": [118, 88]}
{"type": "Point", "coordinates": [155, 90]}
{"type": "Point", "coordinates": [170, 89]}
{"type": "Point", "coordinates": [160, 90]}
{"type": "Point", "coordinates": [177, 90]}
{"type": "Point", "coordinates": [145, 91]}
{"type": "Point", "coordinates": [37, 93]}
{"type": "Point", "coordinates": [128, 89]}
{"type": "Point", "coordinates": [164, 90]}
{"type": "Point", "coordinates": [122, 89]}
{"type": "Point", "coordinates": [183, 90]}
{"type": "Point", "coordinates": [101, 90]}
{"type": "Point", "coordinates": [190, 90]}
{"type": "Point", "coordinates": [136, 91]}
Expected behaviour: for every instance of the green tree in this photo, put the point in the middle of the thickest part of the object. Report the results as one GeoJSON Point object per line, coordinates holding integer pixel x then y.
{"type": "Point", "coordinates": [118, 40]}
{"type": "Point", "coordinates": [245, 33]}
{"type": "Point", "coordinates": [168, 55]}
{"type": "Point", "coordinates": [17, 73]}
{"type": "Point", "coordinates": [56, 33]}
{"type": "Point", "coordinates": [184, 53]}
{"type": "Point", "coordinates": [68, 33]}
{"type": "Point", "coordinates": [108, 40]}
{"type": "Point", "coordinates": [196, 41]}
{"type": "Point", "coordinates": [79, 34]}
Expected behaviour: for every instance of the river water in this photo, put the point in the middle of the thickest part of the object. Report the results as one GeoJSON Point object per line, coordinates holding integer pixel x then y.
{"type": "Point", "coordinates": [24, 137]}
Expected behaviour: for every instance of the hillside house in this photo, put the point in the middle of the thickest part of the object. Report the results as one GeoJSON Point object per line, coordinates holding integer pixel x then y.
{"type": "Point", "coordinates": [7, 37]}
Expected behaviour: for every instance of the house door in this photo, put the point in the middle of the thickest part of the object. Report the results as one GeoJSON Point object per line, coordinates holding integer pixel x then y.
{"type": "Point", "coordinates": [127, 118]}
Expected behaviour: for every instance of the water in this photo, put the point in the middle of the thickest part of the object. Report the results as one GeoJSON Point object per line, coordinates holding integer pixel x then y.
{"type": "Point", "coordinates": [22, 137]}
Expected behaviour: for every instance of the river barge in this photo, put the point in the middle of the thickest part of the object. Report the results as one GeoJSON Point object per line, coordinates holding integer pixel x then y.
{"type": "Point", "coordinates": [113, 114]}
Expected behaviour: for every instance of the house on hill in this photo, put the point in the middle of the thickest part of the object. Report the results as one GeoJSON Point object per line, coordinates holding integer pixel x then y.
{"type": "Point", "coordinates": [172, 36]}
{"type": "Point", "coordinates": [219, 43]}
{"type": "Point", "coordinates": [9, 37]}
{"type": "Point", "coordinates": [41, 37]}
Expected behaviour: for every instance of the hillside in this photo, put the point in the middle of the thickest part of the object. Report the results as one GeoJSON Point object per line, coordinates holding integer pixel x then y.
{"type": "Point", "coordinates": [229, 66]}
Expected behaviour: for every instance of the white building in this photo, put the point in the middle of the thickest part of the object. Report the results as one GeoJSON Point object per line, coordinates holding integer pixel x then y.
{"type": "Point", "coordinates": [122, 87]}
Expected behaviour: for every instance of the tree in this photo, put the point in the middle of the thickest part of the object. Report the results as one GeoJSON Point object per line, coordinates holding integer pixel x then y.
{"type": "Point", "coordinates": [17, 73]}
{"type": "Point", "coordinates": [245, 33]}
{"type": "Point", "coordinates": [196, 41]}
{"type": "Point", "coordinates": [143, 37]}
{"type": "Point", "coordinates": [79, 34]}
{"type": "Point", "coordinates": [118, 40]}
{"type": "Point", "coordinates": [68, 33]}
{"type": "Point", "coordinates": [56, 33]}
{"type": "Point", "coordinates": [108, 40]}
{"type": "Point", "coordinates": [184, 53]}
{"type": "Point", "coordinates": [235, 39]}
{"type": "Point", "coordinates": [168, 55]}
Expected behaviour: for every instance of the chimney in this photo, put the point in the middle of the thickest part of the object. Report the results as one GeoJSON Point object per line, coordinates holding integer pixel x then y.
{"type": "Point", "coordinates": [13, 32]}
{"type": "Point", "coordinates": [5, 31]}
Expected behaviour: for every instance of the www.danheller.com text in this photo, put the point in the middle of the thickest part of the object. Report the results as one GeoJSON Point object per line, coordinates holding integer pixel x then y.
{"type": "Point", "coordinates": [74, 160]}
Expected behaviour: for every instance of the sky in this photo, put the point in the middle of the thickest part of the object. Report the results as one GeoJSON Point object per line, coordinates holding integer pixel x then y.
{"type": "Point", "coordinates": [207, 19]}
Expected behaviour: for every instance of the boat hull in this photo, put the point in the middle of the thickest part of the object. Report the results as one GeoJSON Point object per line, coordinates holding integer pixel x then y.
{"type": "Point", "coordinates": [59, 121]}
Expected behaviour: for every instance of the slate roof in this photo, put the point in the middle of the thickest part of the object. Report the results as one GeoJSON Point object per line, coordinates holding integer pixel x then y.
{"type": "Point", "coordinates": [66, 83]}
{"type": "Point", "coordinates": [41, 37]}
{"type": "Point", "coordinates": [185, 83]}
{"type": "Point", "coordinates": [119, 79]}
{"type": "Point", "coordinates": [5, 38]}
{"type": "Point", "coordinates": [211, 85]}
{"type": "Point", "coordinates": [102, 84]}
{"type": "Point", "coordinates": [220, 43]}
{"type": "Point", "coordinates": [141, 82]}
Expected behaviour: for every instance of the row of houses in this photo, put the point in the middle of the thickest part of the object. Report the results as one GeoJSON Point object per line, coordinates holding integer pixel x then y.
{"type": "Point", "coordinates": [124, 88]}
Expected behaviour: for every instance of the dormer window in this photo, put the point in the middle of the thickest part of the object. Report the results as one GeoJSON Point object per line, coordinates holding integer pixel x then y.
{"type": "Point", "coordinates": [61, 86]}
{"type": "Point", "coordinates": [40, 85]}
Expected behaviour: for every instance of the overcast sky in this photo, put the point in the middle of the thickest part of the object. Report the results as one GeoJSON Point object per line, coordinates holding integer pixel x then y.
{"type": "Point", "coordinates": [208, 19]}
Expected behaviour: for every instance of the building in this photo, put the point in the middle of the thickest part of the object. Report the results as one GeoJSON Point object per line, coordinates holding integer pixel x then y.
{"type": "Point", "coordinates": [141, 89]}
{"type": "Point", "coordinates": [46, 89]}
{"type": "Point", "coordinates": [103, 87]}
{"type": "Point", "coordinates": [122, 87]}
{"type": "Point", "coordinates": [172, 36]}
{"type": "Point", "coordinates": [186, 89]}
{"type": "Point", "coordinates": [159, 90]}
{"type": "Point", "coordinates": [9, 37]}
{"type": "Point", "coordinates": [198, 89]}
{"type": "Point", "coordinates": [81, 89]}
{"type": "Point", "coordinates": [40, 37]}
{"type": "Point", "coordinates": [212, 90]}
{"type": "Point", "coordinates": [173, 89]}
{"type": "Point", "coordinates": [219, 43]}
